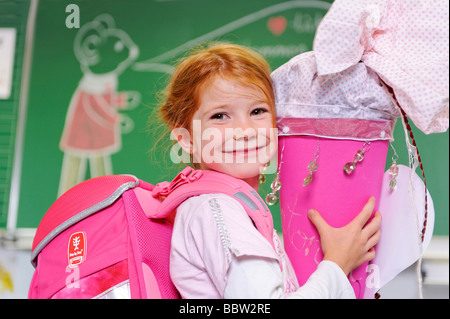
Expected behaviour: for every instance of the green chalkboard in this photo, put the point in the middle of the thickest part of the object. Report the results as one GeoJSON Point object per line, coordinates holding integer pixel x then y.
{"type": "Point", "coordinates": [162, 31]}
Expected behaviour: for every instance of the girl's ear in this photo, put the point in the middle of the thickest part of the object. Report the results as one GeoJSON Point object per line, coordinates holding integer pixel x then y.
{"type": "Point", "coordinates": [183, 138]}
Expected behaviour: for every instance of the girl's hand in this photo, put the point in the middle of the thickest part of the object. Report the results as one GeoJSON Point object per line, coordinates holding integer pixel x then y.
{"type": "Point", "coordinates": [353, 244]}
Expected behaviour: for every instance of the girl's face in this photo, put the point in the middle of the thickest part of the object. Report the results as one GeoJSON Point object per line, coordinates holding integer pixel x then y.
{"type": "Point", "coordinates": [233, 129]}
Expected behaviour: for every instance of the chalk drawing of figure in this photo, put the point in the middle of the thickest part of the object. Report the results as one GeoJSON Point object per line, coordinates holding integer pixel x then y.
{"type": "Point", "coordinates": [93, 125]}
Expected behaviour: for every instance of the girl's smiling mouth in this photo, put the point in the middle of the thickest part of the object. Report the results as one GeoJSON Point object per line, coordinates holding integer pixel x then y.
{"type": "Point", "coordinates": [247, 151]}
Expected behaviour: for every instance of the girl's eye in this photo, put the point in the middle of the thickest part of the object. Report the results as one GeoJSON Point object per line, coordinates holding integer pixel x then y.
{"type": "Point", "coordinates": [258, 111]}
{"type": "Point", "coordinates": [219, 116]}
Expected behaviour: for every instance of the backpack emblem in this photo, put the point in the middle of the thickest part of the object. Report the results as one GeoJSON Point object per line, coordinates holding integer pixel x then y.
{"type": "Point", "coordinates": [76, 251]}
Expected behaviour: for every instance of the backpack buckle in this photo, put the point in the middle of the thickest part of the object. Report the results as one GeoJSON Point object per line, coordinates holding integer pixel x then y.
{"type": "Point", "coordinates": [186, 176]}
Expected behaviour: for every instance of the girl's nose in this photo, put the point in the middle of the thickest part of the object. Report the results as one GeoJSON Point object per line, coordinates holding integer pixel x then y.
{"type": "Point", "coordinates": [244, 129]}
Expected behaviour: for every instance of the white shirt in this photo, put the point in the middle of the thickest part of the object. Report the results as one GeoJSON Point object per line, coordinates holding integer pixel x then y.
{"type": "Point", "coordinates": [217, 252]}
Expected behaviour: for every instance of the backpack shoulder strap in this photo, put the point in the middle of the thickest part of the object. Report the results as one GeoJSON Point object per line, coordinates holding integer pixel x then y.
{"type": "Point", "coordinates": [192, 182]}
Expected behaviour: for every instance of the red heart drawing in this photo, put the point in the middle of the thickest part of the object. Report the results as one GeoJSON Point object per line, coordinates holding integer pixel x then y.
{"type": "Point", "coordinates": [277, 25]}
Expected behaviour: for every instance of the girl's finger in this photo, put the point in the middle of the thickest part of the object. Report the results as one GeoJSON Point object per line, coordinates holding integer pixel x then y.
{"type": "Point", "coordinates": [373, 240]}
{"type": "Point", "coordinates": [362, 218]}
{"type": "Point", "coordinates": [318, 221]}
{"type": "Point", "coordinates": [373, 226]}
{"type": "Point", "coordinates": [370, 255]}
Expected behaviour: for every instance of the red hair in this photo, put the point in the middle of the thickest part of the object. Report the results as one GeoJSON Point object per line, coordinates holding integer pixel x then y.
{"type": "Point", "coordinates": [200, 68]}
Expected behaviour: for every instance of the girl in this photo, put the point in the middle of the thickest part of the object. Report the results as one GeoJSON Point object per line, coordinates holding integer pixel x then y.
{"type": "Point", "coordinates": [220, 107]}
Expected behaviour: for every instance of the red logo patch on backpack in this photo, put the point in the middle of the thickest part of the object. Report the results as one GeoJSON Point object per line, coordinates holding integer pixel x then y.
{"type": "Point", "coordinates": [76, 251]}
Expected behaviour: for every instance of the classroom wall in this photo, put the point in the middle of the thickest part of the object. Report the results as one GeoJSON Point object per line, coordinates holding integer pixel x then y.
{"type": "Point", "coordinates": [162, 32]}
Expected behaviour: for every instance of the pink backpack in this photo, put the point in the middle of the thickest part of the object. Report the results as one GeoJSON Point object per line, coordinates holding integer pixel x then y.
{"type": "Point", "coordinates": [109, 237]}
